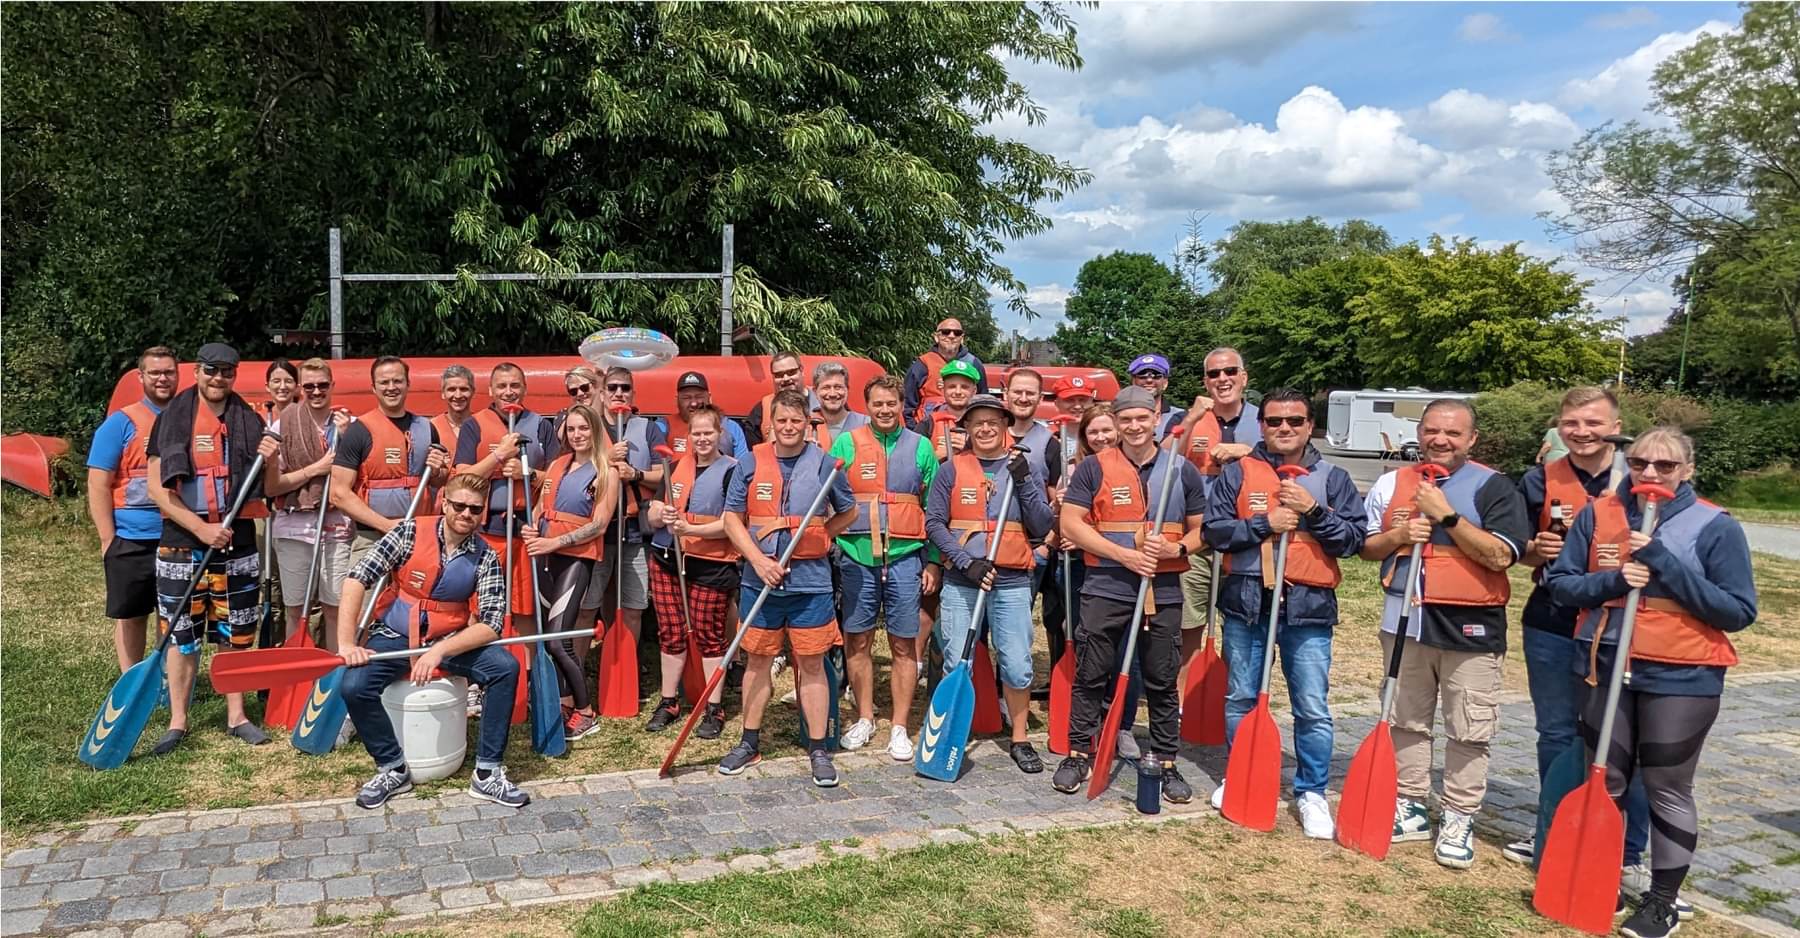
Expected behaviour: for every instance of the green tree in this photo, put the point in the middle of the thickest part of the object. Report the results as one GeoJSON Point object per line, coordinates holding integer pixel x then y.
{"type": "Point", "coordinates": [1454, 317]}
{"type": "Point", "coordinates": [1293, 328]}
{"type": "Point", "coordinates": [1286, 247]}
{"type": "Point", "coordinates": [171, 171]}
{"type": "Point", "coordinates": [1126, 304]}
{"type": "Point", "coordinates": [1722, 180]}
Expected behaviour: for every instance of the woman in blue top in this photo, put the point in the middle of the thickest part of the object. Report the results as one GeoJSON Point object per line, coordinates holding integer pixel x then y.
{"type": "Point", "coordinates": [1694, 575]}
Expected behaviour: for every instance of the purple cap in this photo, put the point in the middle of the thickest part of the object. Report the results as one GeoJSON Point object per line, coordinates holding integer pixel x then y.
{"type": "Point", "coordinates": [1148, 363]}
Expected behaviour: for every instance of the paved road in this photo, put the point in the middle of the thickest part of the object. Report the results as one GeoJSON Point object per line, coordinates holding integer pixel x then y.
{"type": "Point", "coordinates": [279, 868]}
{"type": "Point", "coordinates": [1774, 539]}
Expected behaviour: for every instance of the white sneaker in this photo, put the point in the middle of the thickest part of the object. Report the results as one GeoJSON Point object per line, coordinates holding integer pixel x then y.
{"type": "Point", "coordinates": [857, 736]}
{"type": "Point", "coordinates": [1315, 816]}
{"type": "Point", "coordinates": [921, 673]}
{"type": "Point", "coordinates": [1218, 797]}
{"type": "Point", "coordinates": [1456, 840]}
{"type": "Point", "coordinates": [778, 666]}
{"type": "Point", "coordinates": [900, 748]}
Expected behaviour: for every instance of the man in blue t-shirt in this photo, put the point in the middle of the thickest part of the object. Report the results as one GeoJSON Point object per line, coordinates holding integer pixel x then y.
{"type": "Point", "coordinates": [119, 502]}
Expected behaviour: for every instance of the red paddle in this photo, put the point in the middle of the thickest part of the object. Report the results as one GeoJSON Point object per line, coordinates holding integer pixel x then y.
{"type": "Point", "coordinates": [520, 712]}
{"type": "Point", "coordinates": [1365, 820]}
{"type": "Point", "coordinates": [1253, 770]}
{"type": "Point", "coordinates": [260, 668]}
{"type": "Point", "coordinates": [1108, 743]}
{"type": "Point", "coordinates": [693, 672]}
{"type": "Point", "coordinates": [618, 652]}
{"type": "Point", "coordinates": [287, 702]}
{"type": "Point", "coordinates": [987, 719]}
{"type": "Point", "coordinates": [1578, 867]}
{"type": "Point", "coordinates": [1203, 695]}
{"type": "Point", "coordinates": [1062, 674]}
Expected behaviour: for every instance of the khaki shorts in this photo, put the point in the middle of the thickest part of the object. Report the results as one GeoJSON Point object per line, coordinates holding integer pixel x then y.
{"type": "Point", "coordinates": [1196, 582]}
{"type": "Point", "coordinates": [293, 557]}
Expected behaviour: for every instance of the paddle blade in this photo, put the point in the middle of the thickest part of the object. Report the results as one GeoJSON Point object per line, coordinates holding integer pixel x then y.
{"type": "Point", "coordinates": [944, 736]}
{"type": "Point", "coordinates": [1578, 864]}
{"type": "Point", "coordinates": [288, 699]}
{"type": "Point", "coordinates": [693, 675]}
{"type": "Point", "coordinates": [258, 668]}
{"type": "Point", "coordinates": [548, 737]}
{"type": "Point", "coordinates": [1253, 771]}
{"type": "Point", "coordinates": [987, 719]}
{"type": "Point", "coordinates": [1062, 695]}
{"type": "Point", "coordinates": [1203, 699]}
{"type": "Point", "coordinates": [316, 732]}
{"type": "Point", "coordinates": [521, 710]}
{"type": "Point", "coordinates": [618, 672]}
{"type": "Point", "coordinates": [1365, 821]}
{"type": "Point", "coordinates": [1564, 775]}
{"type": "Point", "coordinates": [1108, 743]}
{"type": "Point", "coordinates": [123, 714]}
{"type": "Point", "coordinates": [693, 719]}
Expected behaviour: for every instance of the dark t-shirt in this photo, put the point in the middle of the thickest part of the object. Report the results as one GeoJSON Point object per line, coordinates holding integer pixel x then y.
{"type": "Point", "coordinates": [1540, 612]}
{"type": "Point", "coordinates": [1481, 628]}
{"type": "Point", "coordinates": [353, 447]}
{"type": "Point", "coordinates": [1116, 582]}
{"type": "Point", "coordinates": [243, 531]}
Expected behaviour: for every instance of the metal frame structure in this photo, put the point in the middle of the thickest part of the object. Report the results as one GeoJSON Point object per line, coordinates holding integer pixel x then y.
{"type": "Point", "coordinates": [337, 278]}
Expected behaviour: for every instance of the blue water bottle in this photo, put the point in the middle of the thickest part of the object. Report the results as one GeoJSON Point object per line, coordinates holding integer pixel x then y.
{"type": "Point", "coordinates": [1149, 786]}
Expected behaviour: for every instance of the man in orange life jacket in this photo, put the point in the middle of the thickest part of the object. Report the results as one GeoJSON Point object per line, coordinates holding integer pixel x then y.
{"type": "Point", "coordinates": [1555, 492]}
{"type": "Point", "coordinates": [1249, 508]}
{"type": "Point", "coordinates": [1074, 395]}
{"type": "Point", "coordinates": [123, 511]}
{"type": "Point", "coordinates": [1104, 512]}
{"type": "Point", "coordinates": [790, 375]}
{"type": "Point", "coordinates": [445, 589]}
{"type": "Point", "coordinates": [457, 388]}
{"type": "Point", "coordinates": [487, 450]}
{"type": "Point", "coordinates": [769, 494]}
{"type": "Point", "coordinates": [381, 458]}
{"type": "Point", "coordinates": [200, 450]}
{"type": "Point", "coordinates": [692, 392]}
{"type": "Point", "coordinates": [1473, 525]}
{"type": "Point", "coordinates": [924, 384]}
{"type": "Point", "coordinates": [640, 473]}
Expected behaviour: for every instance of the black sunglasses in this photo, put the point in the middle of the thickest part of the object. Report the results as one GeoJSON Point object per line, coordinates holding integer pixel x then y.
{"type": "Point", "coordinates": [464, 507]}
{"type": "Point", "coordinates": [1230, 372]}
{"type": "Point", "coordinates": [311, 386]}
{"type": "Point", "coordinates": [1295, 422]}
{"type": "Point", "coordinates": [950, 332]}
{"type": "Point", "coordinates": [1152, 375]}
{"type": "Point", "coordinates": [580, 389]}
{"type": "Point", "coordinates": [1664, 467]}
{"type": "Point", "coordinates": [227, 371]}
{"type": "Point", "coordinates": [620, 388]}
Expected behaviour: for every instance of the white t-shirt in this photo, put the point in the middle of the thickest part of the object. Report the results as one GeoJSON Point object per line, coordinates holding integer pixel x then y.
{"type": "Point", "coordinates": [1375, 503]}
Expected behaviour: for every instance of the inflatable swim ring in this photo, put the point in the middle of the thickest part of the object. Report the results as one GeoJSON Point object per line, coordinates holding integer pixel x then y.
{"type": "Point", "coordinates": [628, 347]}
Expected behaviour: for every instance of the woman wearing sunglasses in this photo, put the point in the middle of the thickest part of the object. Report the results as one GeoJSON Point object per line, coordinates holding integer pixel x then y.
{"type": "Point", "coordinates": [1694, 573]}
{"type": "Point", "coordinates": [573, 509]}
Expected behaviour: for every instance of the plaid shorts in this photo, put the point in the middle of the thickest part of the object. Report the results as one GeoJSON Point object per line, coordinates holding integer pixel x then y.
{"type": "Point", "coordinates": [710, 607]}
{"type": "Point", "coordinates": [225, 604]}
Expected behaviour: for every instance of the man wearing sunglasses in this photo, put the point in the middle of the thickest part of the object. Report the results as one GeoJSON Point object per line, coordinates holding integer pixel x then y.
{"type": "Point", "coordinates": [119, 502]}
{"type": "Point", "coordinates": [1248, 509]}
{"type": "Point", "coordinates": [382, 456]}
{"type": "Point", "coordinates": [924, 384]}
{"type": "Point", "coordinates": [1475, 524]}
{"type": "Point", "coordinates": [1151, 372]}
{"type": "Point", "coordinates": [485, 448]}
{"type": "Point", "coordinates": [446, 590]}
{"type": "Point", "coordinates": [298, 478]}
{"type": "Point", "coordinates": [199, 455]}
{"type": "Point", "coordinates": [630, 442]}
{"type": "Point", "coordinates": [790, 375]}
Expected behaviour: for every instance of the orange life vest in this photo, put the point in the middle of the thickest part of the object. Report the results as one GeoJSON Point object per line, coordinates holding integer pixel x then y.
{"type": "Point", "coordinates": [681, 496]}
{"type": "Point", "coordinates": [553, 522]}
{"type": "Point", "coordinates": [1205, 435]}
{"type": "Point", "coordinates": [1307, 562]}
{"type": "Point", "coordinates": [492, 427]}
{"type": "Point", "coordinates": [208, 491]}
{"type": "Point", "coordinates": [419, 578]}
{"type": "Point", "coordinates": [1121, 508]}
{"type": "Point", "coordinates": [1449, 577]}
{"type": "Point", "coordinates": [931, 390]}
{"type": "Point", "coordinates": [882, 512]}
{"type": "Point", "coordinates": [131, 480]}
{"type": "Point", "coordinates": [1562, 485]}
{"type": "Point", "coordinates": [1665, 630]}
{"type": "Point", "coordinates": [388, 466]}
{"type": "Point", "coordinates": [969, 492]}
{"type": "Point", "coordinates": [767, 510]}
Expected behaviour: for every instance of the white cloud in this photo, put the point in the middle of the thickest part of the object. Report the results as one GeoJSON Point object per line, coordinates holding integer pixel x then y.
{"type": "Point", "coordinates": [1148, 39]}
{"type": "Point", "coordinates": [1628, 18]}
{"type": "Point", "coordinates": [1463, 119]}
{"type": "Point", "coordinates": [1622, 89]}
{"type": "Point", "coordinates": [1485, 27]}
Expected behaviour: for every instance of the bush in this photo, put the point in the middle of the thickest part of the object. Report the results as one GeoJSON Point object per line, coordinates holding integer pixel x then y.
{"type": "Point", "coordinates": [1512, 421]}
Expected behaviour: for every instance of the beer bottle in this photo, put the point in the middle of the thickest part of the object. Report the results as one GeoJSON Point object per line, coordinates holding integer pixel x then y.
{"type": "Point", "coordinates": [1559, 524]}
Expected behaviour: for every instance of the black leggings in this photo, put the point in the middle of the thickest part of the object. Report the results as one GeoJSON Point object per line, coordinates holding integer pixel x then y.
{"type": "Point", "coordinates": [1659, 737]}
{"type": "Point", "coordinates": [564, 580]}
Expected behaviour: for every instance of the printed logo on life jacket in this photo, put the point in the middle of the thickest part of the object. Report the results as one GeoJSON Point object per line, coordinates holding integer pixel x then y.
{"type": "Point", "coordinates": [765, 491]}
{"type": "Point", "coordinates": [1259, 502]}
{"type": "Point", "coordinates": [1402, 514]}
{"type": "Point", "coordinates": [968, 494]}
{"type": "Point", "coordinates": [1608, 556]}
{"type": "Point", "coordinates": [1201, 444]}
{"type": "Point", "coordinates": [416, 579]}
{"type": "Point", "coordinates": [1473, 630]}
{"type": "Point", "coordinates": [1121, 494]}
{"type": "Point", "coordinates": [676, 490]}
{"type": "Point", "coordinates": [679, 444]}
{"type": "Point", "coordinates": [203, 443]}
{"type": "Point", "coordinates": [867, 470]}
{"type": "Point", "coordinates": [393, 454]}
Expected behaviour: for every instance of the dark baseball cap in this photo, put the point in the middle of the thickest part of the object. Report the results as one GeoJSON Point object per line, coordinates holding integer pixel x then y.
{"type": "Point", "coordinates": [692, 379]}
{"type": "Point", "coordinates": [217, 353]}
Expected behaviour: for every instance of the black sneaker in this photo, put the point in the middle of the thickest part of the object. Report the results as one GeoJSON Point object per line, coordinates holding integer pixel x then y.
{"type": "Point", "coordinates": [498, 789]}
{"type": "Point", "coordinates": [823, 772]}
{"type": "Point", "coordinates": [383, 786]}
{"type": "Point", "coordinates": [1176, 789]}
{"type": "Point", "coordinates": [712, 723]}
{"type": "Point", "coordinates": [667, 711]}
{"type": "Point", "coordinates": [1026, 758]}
{"type": "Point", "coordinates": [1654, 919]}
{"type": "Point", "coordinates": [1070, 774]}
{"type": "Point", "coordinates": [742, 756]}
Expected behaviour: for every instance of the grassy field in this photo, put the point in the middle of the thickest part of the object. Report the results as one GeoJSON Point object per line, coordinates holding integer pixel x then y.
{"type": "Point", "coordinates": [1109, 882]}
{"type": "Point", "coordinates": [58, 665]}
{"type": "Point", "coordinates": [1771, 496]}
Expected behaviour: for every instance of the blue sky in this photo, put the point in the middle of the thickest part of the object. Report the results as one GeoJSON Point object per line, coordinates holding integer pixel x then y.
{"type": "Point", "coordinates": [1424, 118]}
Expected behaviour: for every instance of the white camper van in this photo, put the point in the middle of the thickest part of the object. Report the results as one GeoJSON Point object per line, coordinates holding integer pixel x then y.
{"type": "Point", "coordinates": [1379, 421]}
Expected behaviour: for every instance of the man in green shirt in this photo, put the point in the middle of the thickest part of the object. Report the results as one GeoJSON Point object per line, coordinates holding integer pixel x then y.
{"type": "Point", "coordinates": [883, 562]}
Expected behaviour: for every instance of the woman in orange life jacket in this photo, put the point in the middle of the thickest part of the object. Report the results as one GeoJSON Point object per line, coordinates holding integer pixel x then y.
{"type": "Point", "coordinates": [574, 504]}
{"type": "Point", "coordinates": [1694, 574]}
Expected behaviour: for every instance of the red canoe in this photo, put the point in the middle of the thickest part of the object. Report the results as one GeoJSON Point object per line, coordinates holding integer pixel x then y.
{"type": "Point", "coordinates": [25, 460]}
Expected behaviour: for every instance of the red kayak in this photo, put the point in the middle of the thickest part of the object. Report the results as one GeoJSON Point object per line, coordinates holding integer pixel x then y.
{"type": "Point", "coordinates": [25, 460]}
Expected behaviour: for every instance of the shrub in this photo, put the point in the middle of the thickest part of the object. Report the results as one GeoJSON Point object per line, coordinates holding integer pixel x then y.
{"type": "Point", "coordinates": [1512, 421]}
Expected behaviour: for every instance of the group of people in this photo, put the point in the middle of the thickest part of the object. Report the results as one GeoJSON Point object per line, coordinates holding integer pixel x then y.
{"type": "Point", "coordinates": [931, 494]}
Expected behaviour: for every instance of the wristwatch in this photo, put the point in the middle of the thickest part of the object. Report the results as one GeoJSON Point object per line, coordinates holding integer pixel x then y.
{"type": "Point", "coordinates": [1449, 521]}
{"type": "Point", "coordinates": [1184, 549]}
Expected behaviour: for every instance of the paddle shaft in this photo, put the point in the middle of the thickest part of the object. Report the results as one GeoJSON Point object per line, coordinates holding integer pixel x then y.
{"type": "Point", "coordinates": [1268, 663]}
{"type": "Point", "coordinates": [619, 525]}
{"type": "Point", "coordinates": [1068, 569]}
{"type": "Point", "coordinates": [1212, 595]}
{"type": "Point", "coordinates": [1153, 526]}
{"type": "Point", "coordinates": [687, 615]}
{"type": "Point", "coordinates": [512, 414]}
{"type": "Point", "coordinates": [1627, 625]}
{"type": "Point", "coordinates": [993, 550]}
{"type": "Point", "coordinates": [1407, 593]}
{"type": "Point", "coordinates": [537, 608]}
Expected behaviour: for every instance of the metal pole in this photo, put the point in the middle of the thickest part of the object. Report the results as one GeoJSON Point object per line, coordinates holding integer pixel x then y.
{"type": "Point", "coordinates": [727, 269]}
{"type": "Point", "coordinates": [335, 255]}
{"type": "Point", "coordinates": [1687, 330]}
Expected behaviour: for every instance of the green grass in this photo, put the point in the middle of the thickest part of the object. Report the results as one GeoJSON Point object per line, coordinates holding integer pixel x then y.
{"type": "Point", "coordinates": [1770, 495]}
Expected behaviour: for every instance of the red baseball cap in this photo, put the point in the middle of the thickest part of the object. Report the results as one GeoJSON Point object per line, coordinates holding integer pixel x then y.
{"type": "Point", "coordinates": [1075, 386]}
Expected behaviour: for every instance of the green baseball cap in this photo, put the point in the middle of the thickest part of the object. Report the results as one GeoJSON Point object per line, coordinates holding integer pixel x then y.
{"type": "Point", "coordinates": [961, 369]}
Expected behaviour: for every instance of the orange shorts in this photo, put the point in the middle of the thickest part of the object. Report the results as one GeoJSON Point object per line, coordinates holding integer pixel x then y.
{"type": "Point", "coordinates": [807, 620]}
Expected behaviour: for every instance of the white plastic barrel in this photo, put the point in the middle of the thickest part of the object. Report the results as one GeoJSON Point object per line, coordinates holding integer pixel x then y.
{"type": "Point", "coordinates": [432, 721]}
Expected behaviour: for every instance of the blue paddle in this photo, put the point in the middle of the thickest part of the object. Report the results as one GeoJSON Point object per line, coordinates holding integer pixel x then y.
{"type": "Point", "coordinates": [542, 687]}
{"type": "Point", "coordinates": [133, 697]}
{"type": "Point", "coordinates": [316, 732]}
{"type": "Point", "coordinates": [944, 736]}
